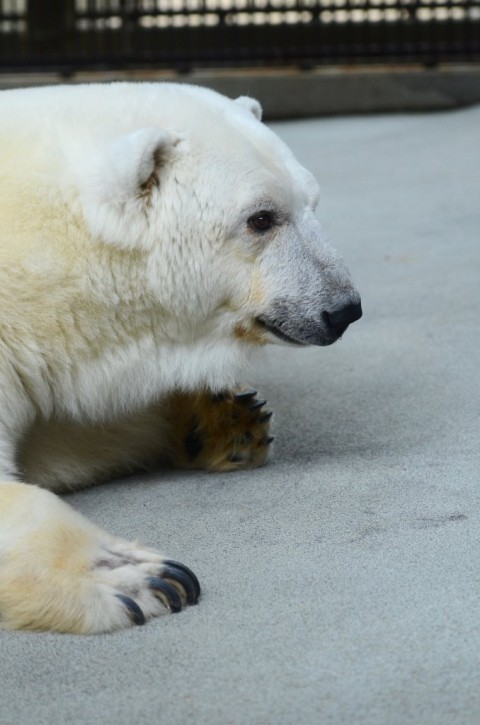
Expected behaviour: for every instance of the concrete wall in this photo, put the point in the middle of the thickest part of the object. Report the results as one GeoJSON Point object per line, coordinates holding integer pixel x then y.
{"type": "Point", "coordinates": [292, 93]}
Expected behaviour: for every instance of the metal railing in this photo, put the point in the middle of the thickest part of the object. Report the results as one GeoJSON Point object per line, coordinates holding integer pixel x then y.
{"type": "Point", "coordinates": [68, 35]}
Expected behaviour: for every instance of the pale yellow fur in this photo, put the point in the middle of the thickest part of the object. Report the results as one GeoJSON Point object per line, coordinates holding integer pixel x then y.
{"type": "Point", "coordinates": [62, 591]}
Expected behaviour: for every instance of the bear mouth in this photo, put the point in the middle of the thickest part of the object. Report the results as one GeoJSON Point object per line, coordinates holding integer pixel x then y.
{"type": "Point", "coordinates": [278, 332]}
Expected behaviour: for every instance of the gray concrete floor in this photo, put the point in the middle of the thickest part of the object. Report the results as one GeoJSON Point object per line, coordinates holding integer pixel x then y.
{"type": "Point", "coordinates": [341, 582]}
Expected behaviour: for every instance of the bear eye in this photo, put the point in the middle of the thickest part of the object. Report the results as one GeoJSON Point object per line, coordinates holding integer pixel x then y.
{"type": "Point", "coordinates": [261, 222]}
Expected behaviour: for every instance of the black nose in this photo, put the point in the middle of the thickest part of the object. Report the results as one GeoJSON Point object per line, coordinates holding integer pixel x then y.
{"type": "Point", "coordinates": [339, 320]}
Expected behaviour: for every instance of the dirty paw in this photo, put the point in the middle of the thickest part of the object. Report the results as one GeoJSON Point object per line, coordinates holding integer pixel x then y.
{"type": "Point", "coordinates": [222, 432]}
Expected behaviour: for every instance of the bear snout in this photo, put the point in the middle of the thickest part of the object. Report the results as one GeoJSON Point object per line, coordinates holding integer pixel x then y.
{"type": "Point", "coordinates": [289, 322]}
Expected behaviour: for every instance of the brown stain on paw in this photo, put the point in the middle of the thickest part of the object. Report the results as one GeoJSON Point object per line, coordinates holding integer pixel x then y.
{"type": "Point", "coordinates": [218, 431]}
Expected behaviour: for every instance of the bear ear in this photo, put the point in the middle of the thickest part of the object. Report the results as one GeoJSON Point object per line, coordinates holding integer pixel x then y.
{"type": "Point", "coordinates": [134, 161]}
{"type": "Point", "coordinates": [116, 185]}
{"type": "Point", "coordinates": [251, 104]}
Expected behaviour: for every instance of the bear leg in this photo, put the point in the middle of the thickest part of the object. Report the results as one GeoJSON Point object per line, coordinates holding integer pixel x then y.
{"type": "Point", "coordinates": [59, 572]}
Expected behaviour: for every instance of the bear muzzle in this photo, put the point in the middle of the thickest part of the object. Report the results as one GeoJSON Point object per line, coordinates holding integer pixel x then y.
{"type": "Point", "coordinates": [287, 323]}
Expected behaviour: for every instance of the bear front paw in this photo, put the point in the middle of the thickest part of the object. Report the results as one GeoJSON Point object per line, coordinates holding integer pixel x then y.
{"type": "Point", "coordinates": [220, 432]}
{"type": "Point", "coordinates": [62, 573]}
{"type": "Point", "coordinates": [144, 582]}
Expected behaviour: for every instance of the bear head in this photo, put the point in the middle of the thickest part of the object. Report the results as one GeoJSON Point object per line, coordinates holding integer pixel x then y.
{"type": "Point", "coordinates": [224, 214]}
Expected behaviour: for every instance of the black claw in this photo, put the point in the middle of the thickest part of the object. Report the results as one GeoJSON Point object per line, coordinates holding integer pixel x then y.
{"type": "Point", "coordinates": [134, 611]}
{"type": "Point", "coordinates": [188, 572]}
{"type": "Point", "coordinates": [258, 404]}
{"type": "Point", "coordinates": [173, 601]}
{"type": "Point", "coordinates": [245, 395]}
{"type": "Point", "coordinates": [265, 417]}
{"type": "Point", "coordinates": [269, 440]}
{"type": "Point", "coordinates": [185, 581]}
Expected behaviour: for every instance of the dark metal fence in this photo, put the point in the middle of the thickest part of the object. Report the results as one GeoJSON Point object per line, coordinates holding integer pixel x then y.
{"type": "Point", "coordinates": [69, 35]}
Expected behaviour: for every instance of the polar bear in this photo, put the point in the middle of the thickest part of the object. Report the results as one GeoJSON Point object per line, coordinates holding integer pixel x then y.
{"type": "Point", "coordinates": [151, 236]}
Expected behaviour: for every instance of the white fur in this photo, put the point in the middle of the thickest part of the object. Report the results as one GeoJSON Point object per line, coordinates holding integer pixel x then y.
{"type": "Point", "coordinates": [127, 269]}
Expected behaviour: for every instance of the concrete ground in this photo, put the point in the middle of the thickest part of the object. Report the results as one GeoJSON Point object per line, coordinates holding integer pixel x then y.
{"type": "Point", "coordinates": [341, 582]}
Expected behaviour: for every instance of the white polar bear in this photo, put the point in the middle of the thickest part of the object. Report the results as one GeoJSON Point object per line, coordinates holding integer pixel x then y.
{"type": "Point", "coordinates": [151, 235]}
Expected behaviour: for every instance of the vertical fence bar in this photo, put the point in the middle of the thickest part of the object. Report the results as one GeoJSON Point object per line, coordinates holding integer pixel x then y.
{"type": "Point", "coordinates": [50, 27]}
